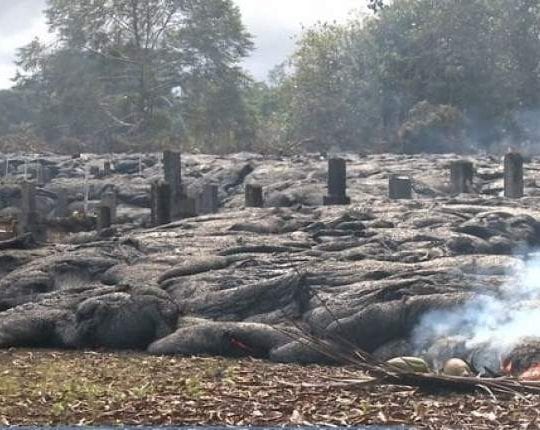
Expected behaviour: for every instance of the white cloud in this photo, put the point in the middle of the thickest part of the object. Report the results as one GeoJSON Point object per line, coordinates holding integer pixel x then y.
{"type": "Point", "coordinates": [9, 47]}
{"type": "Point", "coordinates": [277, 23]}
{"type": "Point", "coordinates": [20, 22]}
{"type": "Point", "coordinates": [274, 24]}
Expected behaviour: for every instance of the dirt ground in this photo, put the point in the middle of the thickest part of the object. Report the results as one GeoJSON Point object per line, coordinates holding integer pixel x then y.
{"type": "Point", "coordinates": [90, 388]}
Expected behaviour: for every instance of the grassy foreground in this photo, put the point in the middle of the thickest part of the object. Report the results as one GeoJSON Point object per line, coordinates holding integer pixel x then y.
{"type": "Point", "coordinates": [84, 388]}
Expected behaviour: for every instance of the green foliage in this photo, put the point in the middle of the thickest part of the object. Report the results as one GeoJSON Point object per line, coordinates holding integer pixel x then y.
{"type": "Point", "coordinates": [15, 109]}
{"type": "Point", "coordinates": [217, 116]}
{"type": "Point", "coordinates": [432, 128]}
{"type": "Point", "coordinates": [375, 5]}
{"type": "Point", "coordinates": [323, 95]}
{"type": "Point", "coordinates": [133, 70]}
{"type": "Point", "coordinates": [270, 111]}
{"type": "Point", "coordinates": [361, 85]}
{"type": "Point", "coordinates": [145, 75]}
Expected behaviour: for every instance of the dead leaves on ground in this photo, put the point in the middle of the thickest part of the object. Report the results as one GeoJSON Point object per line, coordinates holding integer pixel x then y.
{"type": "Point", "coordinates": [133, 389]}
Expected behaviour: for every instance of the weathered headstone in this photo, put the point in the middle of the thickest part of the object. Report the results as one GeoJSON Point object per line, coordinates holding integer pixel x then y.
{"type": "Point", "coordinates": [513, 176]}
{"type": "Point", "coordinates": [337, 183]}
{"type": "Point", "coordinates": [161, 203]}
{"type": "Point", "coordinates": [399, 187]}
{"type": "Point", "coordinates": [254, 196]}
{"type": "Point", "coordinates": [208, 201]}
{"type": "Point", "coordinates": [461, 177]}
{"type": "Point", "coordinates": [104, 218]}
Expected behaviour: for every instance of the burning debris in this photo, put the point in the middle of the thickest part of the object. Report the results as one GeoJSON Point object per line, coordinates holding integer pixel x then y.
{"type": "Point", "coordinates": [455, 376]}
{"type": "Point", "coordinates": [490, 329]}
{"type": "Point", "coordinates": [524, 360]}
{"type": "Point", "coordinates": [489, 343]}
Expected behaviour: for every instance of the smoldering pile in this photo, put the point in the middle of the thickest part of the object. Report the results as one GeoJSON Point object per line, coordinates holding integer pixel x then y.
{"type": "Point", "coordinates": [495, 333]}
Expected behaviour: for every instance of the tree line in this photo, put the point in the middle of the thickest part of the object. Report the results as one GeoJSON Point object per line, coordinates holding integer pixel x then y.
{"type": "Point", "coordinates": [416, 76]}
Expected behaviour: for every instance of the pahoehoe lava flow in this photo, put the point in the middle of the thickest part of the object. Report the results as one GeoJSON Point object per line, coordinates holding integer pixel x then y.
{"type": "Point", "coordinates": [227, 283]}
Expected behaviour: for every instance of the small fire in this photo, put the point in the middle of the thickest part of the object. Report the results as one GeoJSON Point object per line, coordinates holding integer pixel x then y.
{"type": "Point", "coordinates": [532, 374]}
{"type": "Point", "coordinates": [497, 324]}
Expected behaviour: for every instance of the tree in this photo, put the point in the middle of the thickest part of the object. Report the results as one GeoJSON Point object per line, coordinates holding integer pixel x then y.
{"type": "Point", "coordinates": [458, 54]}
{"type": "Point", "coordinates": [15, 109]}
{"type": "Point", "coordinates": [330, 92]}
{"type": "Point", "coordinates": [375, 5]}
{"type": "Point", "coordinates": [217, 115]}
{"type": "Point", "coordinates": [130, 65]}
{"type": "Point", "coordinates": [17, 118]}
{"type": "Point", "coordinates": [432, 129]}
{"type": "Point", "coordinates": [362, 84]}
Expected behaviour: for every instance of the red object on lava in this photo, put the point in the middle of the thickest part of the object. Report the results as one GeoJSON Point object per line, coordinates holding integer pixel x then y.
{"type": "Point", "coordinates": [240, 345]}
{"type": "Point", "coordinates": [532, 373]}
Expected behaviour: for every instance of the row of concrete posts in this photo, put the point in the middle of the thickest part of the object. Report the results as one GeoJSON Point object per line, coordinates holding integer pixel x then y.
{"type": "Point", "coordinates": [401, 188]}
{"type": "Point", "coordinates": [30, 221]}
{"type": "Point", "coordinates": [462, 176]}
{"type": "Point", "coordinates": [170, 201]}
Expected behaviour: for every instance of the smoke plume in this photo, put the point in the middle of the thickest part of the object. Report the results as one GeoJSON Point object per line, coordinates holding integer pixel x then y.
{"type": "Point", "coordinates": [488, 327]}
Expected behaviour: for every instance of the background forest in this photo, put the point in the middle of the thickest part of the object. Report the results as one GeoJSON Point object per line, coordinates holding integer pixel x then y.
{"type": "Point", "coordinates": [414, 76]}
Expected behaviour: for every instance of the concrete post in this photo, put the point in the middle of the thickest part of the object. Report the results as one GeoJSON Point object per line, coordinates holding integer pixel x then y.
{"type": "Point", "coordinates": [461, 177]}
{"type": "Point", "coordinates": [47, 174]}
{"type": "Point", "coordinates": [172, 172]}
{"type": "Point", "coordinates": [60, 210]}
{"type": "Point", "coordinates": [41, 175]}
{"type": "Point", "coordinates": [104, 218]}
{"type": "Point", "coordinates": [513, 176]}
{"type": "Point", "coordinates": [107, 169]}
{"type": "Point", "coordinates": [109, 199]}
{"type": "Point", "coordinates": [141, 165]}
{"type": "Point", "coordinates": [94, 171]}
{"type": "Point", "coordinates": [337, 183]}
{"type": "Point", "coordinates": [186, 207]}
{"type": "Point", "coordinates": [172, 166]}
{"type": "Point", "coordinates": [161, 203]}
{"type": "Point", "coordinates": [399, 188]}
{"type": "Point", "coordinates": [208, 201]}
{"type": "Point", "coordinates": [28, 220]}
{"type": "Point", "coordinates": [254, 196]}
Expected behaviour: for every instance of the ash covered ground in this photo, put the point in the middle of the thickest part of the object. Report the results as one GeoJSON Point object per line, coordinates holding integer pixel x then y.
{"type": "Point", "coordinates": [432, 276]}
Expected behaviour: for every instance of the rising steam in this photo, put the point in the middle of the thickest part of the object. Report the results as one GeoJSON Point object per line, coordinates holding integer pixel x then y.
{"type": "Point", "coordinates": [486, 328]}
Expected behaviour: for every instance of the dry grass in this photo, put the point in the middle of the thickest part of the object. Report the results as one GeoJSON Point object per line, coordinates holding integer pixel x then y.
{"type": "Point", "coordinates": [44, 387]}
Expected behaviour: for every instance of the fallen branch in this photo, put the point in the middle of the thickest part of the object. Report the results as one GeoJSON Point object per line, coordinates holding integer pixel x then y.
{"type": "Point", "coordinates": [380, 373]}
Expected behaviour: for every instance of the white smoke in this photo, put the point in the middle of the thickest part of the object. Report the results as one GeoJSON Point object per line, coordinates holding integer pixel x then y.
{"type": "Point", "coordinates": [488, 327]}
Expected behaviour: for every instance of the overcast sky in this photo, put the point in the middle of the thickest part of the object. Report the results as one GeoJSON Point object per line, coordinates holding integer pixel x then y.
{"type": "Point", "coordinates": [274, 24]}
